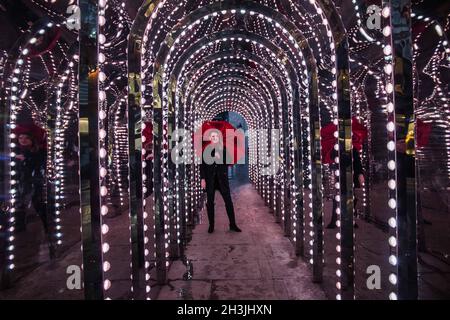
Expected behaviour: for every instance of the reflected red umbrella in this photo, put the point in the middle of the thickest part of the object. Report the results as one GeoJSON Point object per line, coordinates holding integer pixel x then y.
{"type": "Point", "coordinates": [45, 43]}
{"type": "Point", "coordinates": [423, 132]}
{"type": "Point", "coordinates": [147, 133]}
{"type": "Point", "coordinates": [39, 134]}
{"type": "Point", "coordinates": [232, 139]}
{"type": "Point", "coordinates": [359, 135]}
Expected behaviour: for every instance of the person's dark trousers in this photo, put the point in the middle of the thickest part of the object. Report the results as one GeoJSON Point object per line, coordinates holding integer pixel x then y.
{"type": "Point", "coordinates": [334, 214]}
{"type": "Point", "coordinates": [223, 186]}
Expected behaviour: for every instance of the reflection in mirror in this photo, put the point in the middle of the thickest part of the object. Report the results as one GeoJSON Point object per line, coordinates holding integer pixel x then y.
{"type": "Point", "coordinates": [371, 198]}
{"type": "Point", "coordinates": [43, 215]}
{"type": "Point", "coordinates": [432, 160]}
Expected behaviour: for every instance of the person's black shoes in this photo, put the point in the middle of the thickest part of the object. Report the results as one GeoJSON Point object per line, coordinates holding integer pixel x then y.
{"type": "Point", "coordinates": [235, 228]}
{"type": "Point", "coordinates": [211, 229]}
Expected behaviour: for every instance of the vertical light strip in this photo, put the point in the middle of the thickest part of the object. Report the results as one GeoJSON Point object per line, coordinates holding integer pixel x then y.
{"type": "Point", "coordinates": [391, 145]}
{"type": "Point", "coordinates": [146, 230]}
{"type": "Point", "coordinates": [102, 136]}
{"type": "Point", "coordinates": [60, 139]}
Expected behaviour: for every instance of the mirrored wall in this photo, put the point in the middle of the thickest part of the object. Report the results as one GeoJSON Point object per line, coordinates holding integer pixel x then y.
{"type": "Point", "coordinates": [347, 100]}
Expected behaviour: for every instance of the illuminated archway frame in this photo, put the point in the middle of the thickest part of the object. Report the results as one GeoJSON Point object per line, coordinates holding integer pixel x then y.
{"type": "Point", "coordinates": [275, 82]}
{"type": "Point", "coordinates": [212, 40]}
{"type": "Point", "coordinates": [278, 83]}
{"type": "Point", "coordinates": [302, 63]}
{"type": "Point", "coordinates": [330, 13]}
{"type": "Point", "coordinates": [63, 109]}
{"type": "Point", "coordinates": [265, 69]}
{"type": "Point", "coordinates": [15, 75]}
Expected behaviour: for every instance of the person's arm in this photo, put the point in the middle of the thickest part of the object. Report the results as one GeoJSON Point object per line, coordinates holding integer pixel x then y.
{"type": "Point", "coordinates": [202, 170]}
{"type": "Point", "coordinates": [358, 170]}
{"type": "Point", "coordinates": [203, 174]}
{"type": "Point", "coordinates": [357, 164]}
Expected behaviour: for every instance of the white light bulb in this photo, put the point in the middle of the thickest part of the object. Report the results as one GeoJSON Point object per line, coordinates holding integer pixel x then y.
{"type": "Point", "coordinates": [390, 107]}
{"type": "Point", "coordinates": [104, 210]}
{"type": "Point", "coordinates": [106, 284]}
{"type": "Point", "coordinates": [392, 296]}
{"type": "Point", "coordinates": [392, 203]}
{"type": "Point", "coordinates": [105, 229]}
{"type": "Point", "coordinates": [102, 153]}
{"type": "Point", "coordinates": [390, 126]}
{"type": "Point", "coordinates": [388, 68]}
{"type": "Point", "coordinates": [387, 50]}
{"type": "Point", "coordinates": [393, 241]}
{"type": "Point", "coordinates": [389, 88]}
{"type": "Point", "coordinates": [392, 222]}
{"type": "Point", "coordinates": [393, 260]}
{"type": "Point", "coordinates": [392, 184]}
{"type": "Point", "coordinates": [106, 266]}
{"type": "Point", "coordinates": [391, 165]}
{"type": "Point", "coordinates": [391, 146]}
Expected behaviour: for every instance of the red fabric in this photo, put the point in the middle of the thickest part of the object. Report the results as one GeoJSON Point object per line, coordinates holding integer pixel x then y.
{"type": "Point", "coordinates": [238, 146]}
{"type": "Point", "coordinates": [423, 132]}
{"type": "Point", "coordinates": [359, 135]}
{"type": "Point", "coordinates": [148, 134]}
{"type": "Point", "coordinates": [327, 142]}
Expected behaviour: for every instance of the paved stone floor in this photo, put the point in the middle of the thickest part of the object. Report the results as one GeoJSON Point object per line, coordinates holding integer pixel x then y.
{"type": "Point", "coordinates": [258, 263]}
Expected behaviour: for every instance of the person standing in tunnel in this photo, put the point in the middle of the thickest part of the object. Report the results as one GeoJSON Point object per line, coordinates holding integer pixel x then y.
{"type": "Point", "coordinates": [358, 182]}
{"type": "Point", "coordinates": [214, 175]}
{"type": "Point", "coordinates": [31, 170]}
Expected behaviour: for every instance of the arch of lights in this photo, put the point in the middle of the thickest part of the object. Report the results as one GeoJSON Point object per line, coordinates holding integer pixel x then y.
{"type": "Point", "coordinates": [183, 79]}
{"type": "Point", "coordinates": [172, 49]}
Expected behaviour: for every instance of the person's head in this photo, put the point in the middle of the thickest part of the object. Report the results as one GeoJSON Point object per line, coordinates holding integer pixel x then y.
{"type": "Point", "coordinates": [214, 136]}
{"type": "Point", "coordinates": [26, 140]}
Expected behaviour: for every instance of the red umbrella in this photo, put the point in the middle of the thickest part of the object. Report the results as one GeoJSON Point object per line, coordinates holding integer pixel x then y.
{"type": "Point", "coordinates": [359, 135]}
{"type": "Point", "coordinates": [228, 133]}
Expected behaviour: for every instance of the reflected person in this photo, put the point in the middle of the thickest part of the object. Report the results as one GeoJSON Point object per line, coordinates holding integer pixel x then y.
{"type": "Point", "coordinates": [214, 175]}
{"type": "Point", "coordinates": [30, 166]}
{"type": "Point", "coordinates": [358, 182]}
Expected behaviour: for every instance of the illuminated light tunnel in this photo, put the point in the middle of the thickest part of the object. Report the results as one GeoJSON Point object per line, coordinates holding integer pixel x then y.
{"type": "Point", "coordinates": [344, 106]}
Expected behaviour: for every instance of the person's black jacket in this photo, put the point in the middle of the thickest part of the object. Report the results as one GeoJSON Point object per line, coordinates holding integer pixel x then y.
{"type": "Point", "coordinates": [217, 168]}
{"type": "Point", "coordinates": [30, 171]}
{"type": "Point", "coordinates": [357, 166]}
